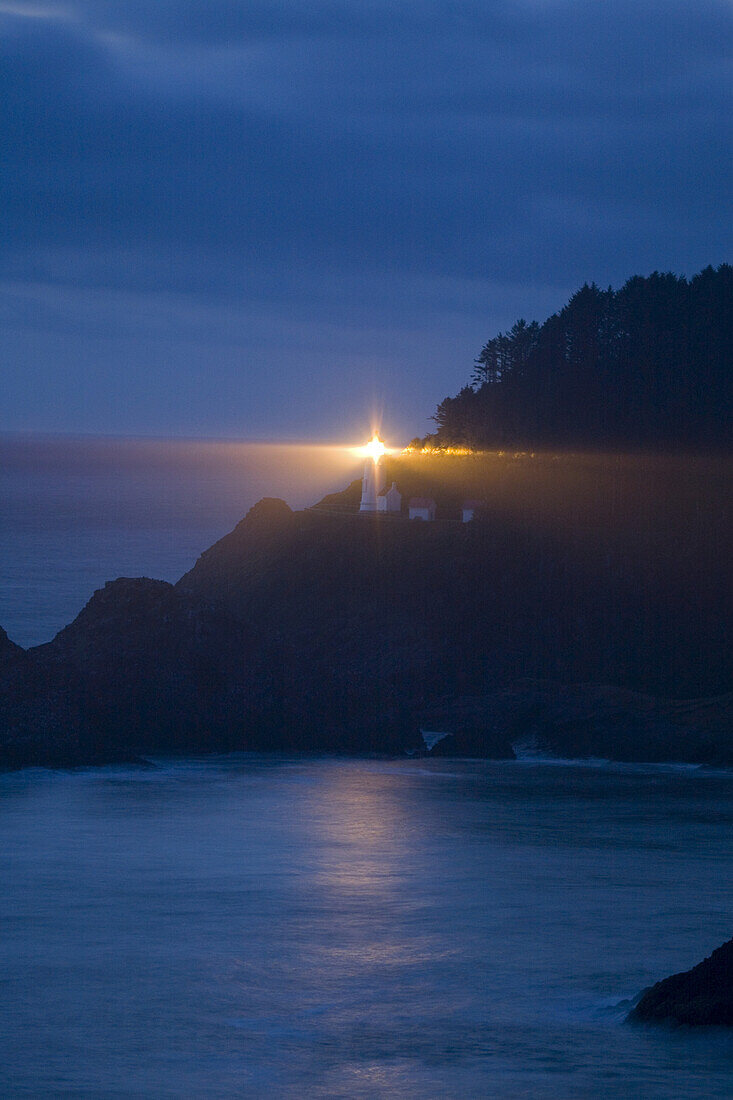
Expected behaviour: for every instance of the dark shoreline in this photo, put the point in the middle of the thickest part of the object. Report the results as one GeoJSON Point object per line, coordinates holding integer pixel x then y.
{"type": "Point", "coordinates": [299, 631]}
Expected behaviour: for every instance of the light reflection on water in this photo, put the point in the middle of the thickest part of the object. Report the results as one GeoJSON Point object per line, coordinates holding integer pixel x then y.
{"type": "Point", "coordinates": [268, 926]}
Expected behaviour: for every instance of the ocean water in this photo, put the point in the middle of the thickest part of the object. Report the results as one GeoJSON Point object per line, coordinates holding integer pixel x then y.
{"type": "Point", "coordinates": [265, 926]}
{"type": "Point", "coordinates": [274, 927]}
{"type": "Point", "coordinates": [77, 512]}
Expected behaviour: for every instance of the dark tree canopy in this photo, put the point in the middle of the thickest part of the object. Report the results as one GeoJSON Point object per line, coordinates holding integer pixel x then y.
{"type": "Point", "coordinates": [646, 365]}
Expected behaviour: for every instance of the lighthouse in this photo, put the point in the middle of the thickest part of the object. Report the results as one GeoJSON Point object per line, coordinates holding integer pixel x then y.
{"type": "Point", "coordinates": [374, 478]}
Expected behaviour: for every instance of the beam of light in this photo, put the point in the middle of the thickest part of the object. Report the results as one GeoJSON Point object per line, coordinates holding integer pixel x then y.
{"type": "Point", "coordinates": [409, 450]}
{"type": "Point", "coordinates": [374, 449]}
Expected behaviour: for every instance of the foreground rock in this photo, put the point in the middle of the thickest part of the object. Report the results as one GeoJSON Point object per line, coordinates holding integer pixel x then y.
{"type": "Point", "coordinates": [701, 997]}
{"type": "Point", "coordinates": [527, 718]}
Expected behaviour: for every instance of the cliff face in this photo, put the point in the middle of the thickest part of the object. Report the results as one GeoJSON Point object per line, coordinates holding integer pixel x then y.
{"type": "Point", "coordinates": [347, 633]}
{"type": "Point", "coordinates": [140, 666]}
{"type": "Point", "coordinates": [8, 649]}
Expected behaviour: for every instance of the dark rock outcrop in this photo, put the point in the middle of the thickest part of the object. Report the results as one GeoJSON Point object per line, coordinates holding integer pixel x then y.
{"type": "Point", "coordinates": [699, 997]}
{"type": "Point", "coordinates": [7, 648]}
{"type": "Point", "coordinates": [346, 500]}
{"type": "Point", "coordinates": [534, 718]}
{"type": "Point", "coordinates": [337, 632]}
{"type": "Point", "coordinates": [141, 668]}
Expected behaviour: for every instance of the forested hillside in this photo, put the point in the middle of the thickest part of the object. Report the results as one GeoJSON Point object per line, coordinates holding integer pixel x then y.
{"type": "Point", "coordinates": [646, 365]}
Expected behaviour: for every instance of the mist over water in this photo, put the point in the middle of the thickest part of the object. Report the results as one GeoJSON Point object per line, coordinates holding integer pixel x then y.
{"type": "Point", "coordinates": [75, 513]}
{"type": "Point", "coordinates": [290, 927]}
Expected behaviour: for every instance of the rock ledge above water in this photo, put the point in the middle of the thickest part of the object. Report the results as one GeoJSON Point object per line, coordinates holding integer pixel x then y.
{"type": "Point", "coordinates": [702, 996]}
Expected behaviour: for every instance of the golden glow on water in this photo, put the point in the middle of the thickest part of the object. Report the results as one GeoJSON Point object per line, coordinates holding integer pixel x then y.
{"type": "Point", "coordinates": [362, 838]}
{"type": "Point", "coordinates": [362, 822]}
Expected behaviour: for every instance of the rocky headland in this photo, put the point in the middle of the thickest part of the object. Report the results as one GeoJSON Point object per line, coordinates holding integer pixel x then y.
{"type": "Point", "coordinates": [700, 997]}
{"type": "Point", "coordinates": [329, 631]}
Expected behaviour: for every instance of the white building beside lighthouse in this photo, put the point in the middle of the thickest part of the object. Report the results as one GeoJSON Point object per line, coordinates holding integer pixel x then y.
{"type": "Point", "coordinates": [390, 500]}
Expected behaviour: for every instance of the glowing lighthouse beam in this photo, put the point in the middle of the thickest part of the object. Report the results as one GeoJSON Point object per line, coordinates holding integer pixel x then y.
{"type": "Point", "coordinates": [375, 448]}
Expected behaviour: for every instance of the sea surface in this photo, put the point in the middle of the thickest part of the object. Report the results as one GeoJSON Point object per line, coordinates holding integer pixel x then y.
{"type": "Point", "coordinates": [77, 512]}
{"type": "Point", "coordinates": [276, 927]}
{"type": "Point", "coordinates": [280, 927]}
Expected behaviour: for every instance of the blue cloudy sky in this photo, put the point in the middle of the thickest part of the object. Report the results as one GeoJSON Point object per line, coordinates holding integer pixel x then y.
{"type": "Point", "coordinates": [266, 218]}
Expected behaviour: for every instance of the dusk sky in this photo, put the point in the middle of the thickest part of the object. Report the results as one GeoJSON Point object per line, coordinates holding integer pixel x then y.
{"type": "Point", "coordinates": [267, 218]}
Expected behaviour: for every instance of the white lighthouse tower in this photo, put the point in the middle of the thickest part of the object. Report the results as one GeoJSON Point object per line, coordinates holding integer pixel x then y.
{"type": "Point", "coordinates": [374, 477]}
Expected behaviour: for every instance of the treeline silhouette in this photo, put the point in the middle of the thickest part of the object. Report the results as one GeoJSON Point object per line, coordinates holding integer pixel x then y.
{"type": "Point", "coordinates": [646, 365]}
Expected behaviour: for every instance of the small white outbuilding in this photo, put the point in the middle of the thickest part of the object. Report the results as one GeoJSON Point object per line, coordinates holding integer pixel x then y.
{"type": "Point", "coordinates": [470, 508]}
{"type": "Point", "coordinates": [389, 500]}
{"type": "Point", "coordinates": [422, 508]}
